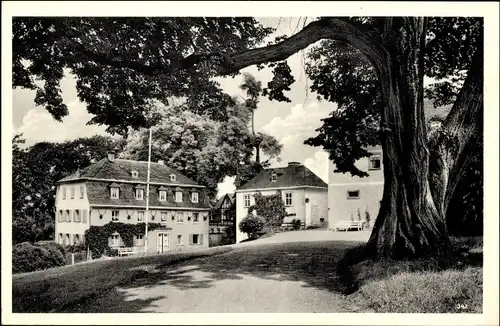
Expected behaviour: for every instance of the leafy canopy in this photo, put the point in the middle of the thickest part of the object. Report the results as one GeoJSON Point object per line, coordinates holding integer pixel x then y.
{"type": "Point", "coordinates": [124, 64]}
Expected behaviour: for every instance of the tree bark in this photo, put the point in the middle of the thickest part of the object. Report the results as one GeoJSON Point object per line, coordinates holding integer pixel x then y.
{"type": "Point", "coordinates": [408, 224]}
{"type": "Point", "coordinates": [456, 144]}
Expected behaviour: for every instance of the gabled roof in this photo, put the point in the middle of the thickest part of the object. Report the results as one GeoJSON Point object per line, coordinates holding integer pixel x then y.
{"type": "Point", "coordinates": [120, 169]}
{"type": "Point", "coordinates": [294, 175]}
{"type": "Point", "coordinates": [231, 196]}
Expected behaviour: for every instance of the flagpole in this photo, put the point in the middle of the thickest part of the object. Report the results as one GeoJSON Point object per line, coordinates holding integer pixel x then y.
{"type": "Point", "coordinates": [147, 193]}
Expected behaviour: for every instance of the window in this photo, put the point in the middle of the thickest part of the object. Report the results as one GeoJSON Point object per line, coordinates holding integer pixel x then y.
{"type": "Point", "coordinates": [163, 216]}
{"type": "Point", "coordinates": [321, 219]}
{"type": "Point", "coordinates": [139, 194]}
{"type": "Point", "coordinates": [180, 217]}
{"type": "Point", "coordinates": [135, 174]}
{"type": "Point", "coordinates": [288, 199]}
{"type": "Point", "coordinates": [353, 194]}
{"type": "Point", "coordinates": [178, 196]}
{"type": "Point", "coordinates": [194, 197]}
{"type": "Point", "coordinates": [72, 192]}
{"type": "Point", "coordinates": [196, 217]}
{"type": "Point", "coordinates": [115, 240]}
{"type": "Point", "coordinates": [115, 193]}
{"type": "Point", "coordinates": [375, 162]}
{"type": "Point", "coordinates": [274, 177]}
{"type": "Point", "coordinates": [140, 216]}
{"type": "Point", "coordinates": [247, 200]}
{"type": "Point", "coordinates": [115, 216]}
{"type": "Point", "coordinates": [77, 217]}
{"type": "Point", "coordinates": [68, 216]}
{"type": "Point", "coordinates": [163, 195]}
{"type": "Point", "coordinates": [196, 238]}
{"type": "Point", "coordinates": [172, 177]}
{"type": "Point", "coordinates": [179, 240]}
{"type": "Point", "coordinates": [76, 238]}
{"type": "Point", "coordinates": [63, 192]}
{"type": "Point", "coordinates": [82, 190]}
{"type": "Point", "coordinates": [61, 216]}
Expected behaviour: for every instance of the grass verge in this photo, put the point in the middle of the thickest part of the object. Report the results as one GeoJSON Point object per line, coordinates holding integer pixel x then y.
{"type": "Point", "coordinates": [57, 289]}
{"type": "Point", "coordinates": [442, 284]}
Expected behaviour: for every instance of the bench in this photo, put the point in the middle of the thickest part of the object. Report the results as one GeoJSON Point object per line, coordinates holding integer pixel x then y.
{"type": "Point", "coordinates": [346, 225]}
{"type": "Point", "coordinates": [126, 251]}
{"type": "Point", "coordinates": [289, 226]}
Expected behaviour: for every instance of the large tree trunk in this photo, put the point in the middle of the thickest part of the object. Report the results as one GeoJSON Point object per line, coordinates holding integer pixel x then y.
{"type": "Point", "coordinates": [455, 144]}
{"type": "Point", "coordinates": [408, 224]}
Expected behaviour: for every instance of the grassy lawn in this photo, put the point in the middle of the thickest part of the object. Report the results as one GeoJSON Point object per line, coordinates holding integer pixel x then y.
{"type": "Point", "coordinates": [58, 288]}
{"type": "Point", "coordinates": [430, 285]}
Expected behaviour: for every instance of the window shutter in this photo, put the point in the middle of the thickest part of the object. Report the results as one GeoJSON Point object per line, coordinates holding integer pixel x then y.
{"type": "Point", "coordinates": [84, 216]}
{"type": "Point", "coordinates": [190, 239]}
{"type": "Point", "coordinates": [200, 237]}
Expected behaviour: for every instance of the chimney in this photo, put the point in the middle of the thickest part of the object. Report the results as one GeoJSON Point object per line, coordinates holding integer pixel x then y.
{"type": "Point", "coordinates": [294, 164]}
{"type": "Point", "coordinates": [161, 162]}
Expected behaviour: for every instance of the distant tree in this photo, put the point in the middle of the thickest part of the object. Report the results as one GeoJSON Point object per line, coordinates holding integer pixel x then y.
{"type": "Point", "coordinates": [35, 171]}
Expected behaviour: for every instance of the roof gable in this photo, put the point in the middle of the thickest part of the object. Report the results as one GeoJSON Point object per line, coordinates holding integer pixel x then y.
{"type": "Point", "coordinates": [294, 175]}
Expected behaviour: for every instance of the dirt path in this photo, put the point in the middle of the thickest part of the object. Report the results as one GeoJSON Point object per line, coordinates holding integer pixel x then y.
{"type": "Point", "coordinates": [268, 277]}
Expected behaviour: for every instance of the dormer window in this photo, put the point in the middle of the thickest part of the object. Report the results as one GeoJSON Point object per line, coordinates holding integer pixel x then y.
{"type": "Point", "coordinates": [114, 189]}
{"type": "Point", "coordinates": [178, 195]}
{"type": "Point", "coordinates": [162, 194]}
{"type": "Point", "coordinates": [173, 177]}
{"type": "Point", "coordinates": [194, 197]}
{"type": "Point", "coordinates": [135, 174]}
{"type": "Point", "coordinates": [274, 177]}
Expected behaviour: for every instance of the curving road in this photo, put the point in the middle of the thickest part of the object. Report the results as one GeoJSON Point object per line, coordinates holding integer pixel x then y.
{"type": "Point", "coordinates": [290, 272]}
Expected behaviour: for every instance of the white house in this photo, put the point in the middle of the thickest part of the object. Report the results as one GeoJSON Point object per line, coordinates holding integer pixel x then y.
{"type": "Point", "coordinates": [305, 195]}
{"type": "Point", "coordinates": [114, 190]}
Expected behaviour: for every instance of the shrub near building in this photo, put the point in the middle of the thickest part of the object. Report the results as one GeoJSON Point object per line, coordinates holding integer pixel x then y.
{"type": "Point", "coordinates": [251, 225]}
{"type": "Point", "coordinates": [27, 257]}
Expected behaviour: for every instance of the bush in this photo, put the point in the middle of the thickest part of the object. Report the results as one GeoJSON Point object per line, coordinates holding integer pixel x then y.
{"type": "Point", "coordinates": [251, 225]}
{"type": "Point", "coordinates": [228, 238]}
{"type": "Point", "coordinates": [29, 258]}
{"type": "Point", "coordinates": [51, 245]}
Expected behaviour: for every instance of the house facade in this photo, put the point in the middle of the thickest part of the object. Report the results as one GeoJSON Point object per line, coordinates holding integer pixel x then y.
{"type": "Point", "coordinates": [352, 197]}
{"type": "Point", "coordinates": [305, 195]}
{"type": "Point", "coordinates": [114, 190]}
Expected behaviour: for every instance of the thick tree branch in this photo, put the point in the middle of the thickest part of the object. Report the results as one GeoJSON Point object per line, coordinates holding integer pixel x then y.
{"type": "Point", "coordinates": [453, 149]}
{"type": "Point", "coordinates": [326, 28]}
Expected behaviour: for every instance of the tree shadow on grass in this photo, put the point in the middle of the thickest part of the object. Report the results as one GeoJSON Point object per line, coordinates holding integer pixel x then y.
{"type": "Point", "coordinates": [315, 264]}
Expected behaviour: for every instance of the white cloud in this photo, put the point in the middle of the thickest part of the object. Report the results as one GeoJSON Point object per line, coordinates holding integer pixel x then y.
{"type": "Point", "coordinates": [38, 125]}
{"type": "Point", "coordinates": [318, 164]}
{"type": "Point", "coordinates": [226, 186]}
{"type": "Point", "coordinates": [301, 121]}
{"type": "Point", "coordinates": [293, 129]}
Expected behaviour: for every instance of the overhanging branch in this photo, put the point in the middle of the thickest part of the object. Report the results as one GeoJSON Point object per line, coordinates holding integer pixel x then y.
{"type": "Point", "coordinates": [325, 28]}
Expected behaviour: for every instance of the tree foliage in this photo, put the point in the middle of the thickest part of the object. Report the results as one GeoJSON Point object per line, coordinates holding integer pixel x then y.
{"type": "Point", "coordinates": [118, 80]}
{"type": "Point", "coordinates": [35, 171]}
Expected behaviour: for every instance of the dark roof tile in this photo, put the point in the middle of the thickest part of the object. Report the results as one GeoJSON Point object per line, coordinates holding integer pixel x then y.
{"type": "Point", "coordinates": [98, 194]}
{"type": "Point", "coordinates": [294, 175]}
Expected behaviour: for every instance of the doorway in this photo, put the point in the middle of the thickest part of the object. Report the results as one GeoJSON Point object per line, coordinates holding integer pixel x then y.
{"type": "Point", "coordinates": [162, 242]}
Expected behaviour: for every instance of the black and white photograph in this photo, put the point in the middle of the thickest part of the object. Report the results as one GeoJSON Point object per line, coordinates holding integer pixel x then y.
{"type": "Point", "coordinates": [184, 163]}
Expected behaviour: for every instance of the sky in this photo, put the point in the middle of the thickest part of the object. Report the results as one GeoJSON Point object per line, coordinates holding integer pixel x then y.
{"type": "Point", "coordinates": [291, 123]}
